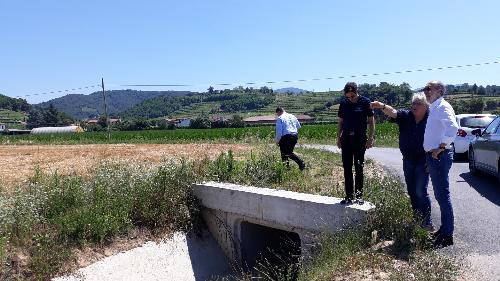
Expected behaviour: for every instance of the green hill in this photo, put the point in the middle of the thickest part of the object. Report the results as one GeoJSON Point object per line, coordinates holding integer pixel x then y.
{"type": "Point", "coordinates": [13, 112]}
{"type": "Point", "coordinates": [85, 106]}
{"type": "Point", "coordinates": [203, 104]}
{"type": "Point", "coordinates": [14, 104]}
{"type": "Point", "coordinates": [245, 102]}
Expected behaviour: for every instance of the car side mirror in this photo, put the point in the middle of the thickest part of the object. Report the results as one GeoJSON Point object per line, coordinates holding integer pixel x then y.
{"type": "Point", "coordinates": [476, 132]}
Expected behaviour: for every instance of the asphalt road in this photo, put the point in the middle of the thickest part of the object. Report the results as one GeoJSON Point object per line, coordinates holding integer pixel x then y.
{"type": "Point", "coordinates": [476, 203]}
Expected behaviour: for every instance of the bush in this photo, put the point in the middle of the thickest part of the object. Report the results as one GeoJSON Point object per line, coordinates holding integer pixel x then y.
{"type": "Point", "coordinates": [200, 123]}
{"type": "Point", "coordinates": [56, 213]}
{"type": "Point", "coordinates": [471, 106]}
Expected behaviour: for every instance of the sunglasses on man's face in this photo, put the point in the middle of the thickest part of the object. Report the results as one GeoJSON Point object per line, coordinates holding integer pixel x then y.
{"type": "Point", "coordinates": [427, 88]}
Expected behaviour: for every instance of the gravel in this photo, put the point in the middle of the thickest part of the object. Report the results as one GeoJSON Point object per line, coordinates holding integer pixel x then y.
{"type": "Point", "coordinates": [180, 257]}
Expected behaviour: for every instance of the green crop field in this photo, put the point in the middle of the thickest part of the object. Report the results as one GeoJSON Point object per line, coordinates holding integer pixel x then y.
{"type": "Point", "coordinates": [386, 135]}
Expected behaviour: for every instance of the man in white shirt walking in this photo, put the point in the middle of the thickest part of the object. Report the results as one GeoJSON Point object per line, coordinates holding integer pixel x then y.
{"type": "Point", "coordinates": [440, 132]}
{"type": "Point", "coordinates": [287, 132]}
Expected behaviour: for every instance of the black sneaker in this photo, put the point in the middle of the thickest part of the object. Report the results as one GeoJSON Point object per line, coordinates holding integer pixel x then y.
{"type": "Point", "coordinates": [346, 201]}
{"type": "Point", "coordinates": [443, 241]}
{"type": "Point", "coordinates": [360, 201]}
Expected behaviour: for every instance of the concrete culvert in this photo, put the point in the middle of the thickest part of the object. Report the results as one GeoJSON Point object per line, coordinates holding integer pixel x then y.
{"type": "Point", "coordinates": [270, 252]}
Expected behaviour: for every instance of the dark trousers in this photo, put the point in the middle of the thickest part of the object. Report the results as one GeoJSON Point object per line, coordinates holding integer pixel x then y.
{"type": "Point", "coordinates": [417, 180]}
{"type": "Point", "coordinates": [287, 144]}
{"type": "Point", "coordinates": [353, 149]}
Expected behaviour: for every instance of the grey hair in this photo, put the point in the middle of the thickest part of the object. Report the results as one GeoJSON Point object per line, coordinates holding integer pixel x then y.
{"type": "Point", "coordinates": [419, 98]}
{"type": "Point", "coordinates": [438, 85]}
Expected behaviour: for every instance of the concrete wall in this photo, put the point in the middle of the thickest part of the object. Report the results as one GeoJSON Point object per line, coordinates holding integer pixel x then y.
{"type": "Point", "coordinates": [228, 205]}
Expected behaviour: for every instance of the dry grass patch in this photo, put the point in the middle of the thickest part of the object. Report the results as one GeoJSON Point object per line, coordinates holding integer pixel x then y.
{"type": "Point", "coordinates": [17, 162]}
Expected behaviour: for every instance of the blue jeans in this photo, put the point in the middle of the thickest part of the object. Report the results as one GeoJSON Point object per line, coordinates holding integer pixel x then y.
{"type": "Point", "coordinates": [438, 169]}
{"type": "Point", "coordinates": [417, 180]}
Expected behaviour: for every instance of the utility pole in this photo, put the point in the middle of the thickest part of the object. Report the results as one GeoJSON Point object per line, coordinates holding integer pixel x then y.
{"type": "Point", "coordinates": [105, 108]}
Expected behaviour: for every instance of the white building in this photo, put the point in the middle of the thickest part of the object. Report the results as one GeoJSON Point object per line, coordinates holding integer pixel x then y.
{"type": "Point", "coordinates": [185, 122]}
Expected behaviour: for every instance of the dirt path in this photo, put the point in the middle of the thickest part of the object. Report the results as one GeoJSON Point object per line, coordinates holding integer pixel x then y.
{"type": "Point", "coordinates": [18, 162]}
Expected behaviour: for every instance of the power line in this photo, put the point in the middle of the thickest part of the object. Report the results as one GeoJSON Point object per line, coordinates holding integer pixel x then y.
{"type": "Point", "coordinates": [59, 91]}
{"type": "Point", "coordinates": [312, 79]}
{"type": "Point", "coordinates": [269, 82]}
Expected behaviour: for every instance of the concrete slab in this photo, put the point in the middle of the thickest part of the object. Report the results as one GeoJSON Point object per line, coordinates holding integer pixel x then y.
{"type": "Point", "coordinates": [228, 206]}
{"type": "Point", "coordinates": [298, 210]}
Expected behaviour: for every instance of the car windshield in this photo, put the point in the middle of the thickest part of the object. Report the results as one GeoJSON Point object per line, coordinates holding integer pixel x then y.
{"type": "Point", "coordinates": [475, 121]}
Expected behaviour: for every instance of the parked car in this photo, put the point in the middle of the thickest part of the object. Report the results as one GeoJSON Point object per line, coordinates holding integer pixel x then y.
{"type": "Point", "coordinates": [467, 123]}
{"type": "Point", "coordinates": [484, 150]}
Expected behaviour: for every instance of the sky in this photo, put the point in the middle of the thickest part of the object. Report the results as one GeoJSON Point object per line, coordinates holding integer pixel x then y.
{"type": "Point", "coordinates": [50, 46]}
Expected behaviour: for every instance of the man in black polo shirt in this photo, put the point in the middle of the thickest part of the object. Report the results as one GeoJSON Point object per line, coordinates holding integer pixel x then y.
{"type": "Point", "coordinates": [411, 138]}
{"type": "Point", "coordinates": [355, 115]}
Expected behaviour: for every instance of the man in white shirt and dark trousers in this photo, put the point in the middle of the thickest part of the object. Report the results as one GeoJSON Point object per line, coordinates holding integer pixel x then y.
{"type": "Point", "coordinates": [287, 127]}
{"type": "Point", "coordinates": [440, 132]}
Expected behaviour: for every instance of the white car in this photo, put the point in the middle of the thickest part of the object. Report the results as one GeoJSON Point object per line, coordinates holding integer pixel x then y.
{"type": "Point", "coordinates": [467, 123]}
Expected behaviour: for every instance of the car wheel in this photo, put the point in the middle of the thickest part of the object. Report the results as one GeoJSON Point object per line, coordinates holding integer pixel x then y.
{"type": "Point", "coordinates": [472, 162]}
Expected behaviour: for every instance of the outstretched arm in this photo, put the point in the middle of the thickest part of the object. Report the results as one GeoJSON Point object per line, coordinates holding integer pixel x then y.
{"type": "Point", "coordinates": [386, 109]}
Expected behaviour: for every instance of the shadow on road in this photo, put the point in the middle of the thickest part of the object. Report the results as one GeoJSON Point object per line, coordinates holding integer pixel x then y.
{"type": "Point", "coordinates": [486, 185]}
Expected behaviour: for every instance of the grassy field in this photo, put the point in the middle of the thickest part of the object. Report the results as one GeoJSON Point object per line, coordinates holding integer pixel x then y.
{"type": "Point", "coordinates": [48, 218]}
{"type": "Point", "coordinates": [12, 115]}
{"type": "Point", "coordinates": [12, 118]}
{"type": "Point", "coordinates": [386, 135]}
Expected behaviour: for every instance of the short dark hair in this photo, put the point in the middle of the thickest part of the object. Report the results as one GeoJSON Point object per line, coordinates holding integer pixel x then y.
{"type": "Point", "coordinates": [350, 87]}
{"type": "Point", "coordinates": [279, 109]}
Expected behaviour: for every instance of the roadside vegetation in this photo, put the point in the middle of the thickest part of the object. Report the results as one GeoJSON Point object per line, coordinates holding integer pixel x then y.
{"type": "Point", "coordinates": [45, 220]}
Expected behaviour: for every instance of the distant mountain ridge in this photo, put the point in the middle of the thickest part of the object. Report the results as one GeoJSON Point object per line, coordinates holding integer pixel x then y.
{"type": "Point", "coordinates": [81, 106]}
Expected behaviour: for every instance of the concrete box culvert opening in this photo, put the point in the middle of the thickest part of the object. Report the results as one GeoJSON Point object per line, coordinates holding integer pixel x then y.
{"type": "Point", "coordinates": [243, 218]}
{"type": "Point", "coordinates": [269, 249]}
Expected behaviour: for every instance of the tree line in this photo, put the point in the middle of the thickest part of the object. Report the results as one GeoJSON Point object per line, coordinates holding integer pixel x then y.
{"type": "Point", "coordinates": [47, 117]}
{"type": "Point", "coordinates": [14, 104]}
{"type": "Point", "coordinates": [237, 99]}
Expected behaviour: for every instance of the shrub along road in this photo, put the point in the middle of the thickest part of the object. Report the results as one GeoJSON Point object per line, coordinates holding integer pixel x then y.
{"type": "Point", "coordinates": [476, 203]}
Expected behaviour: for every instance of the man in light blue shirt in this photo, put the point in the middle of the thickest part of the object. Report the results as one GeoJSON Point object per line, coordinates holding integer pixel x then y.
{"type": "Point", "coordinates": [287, 133]}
